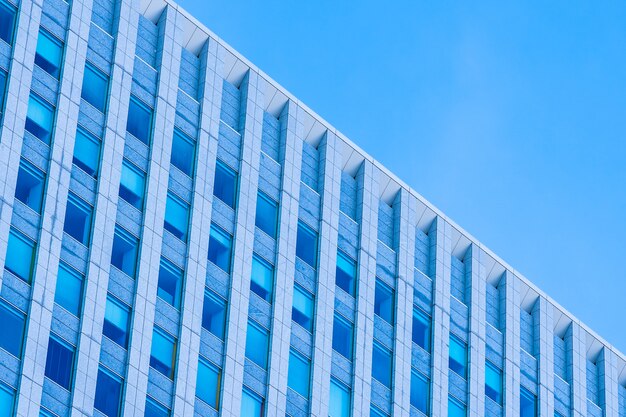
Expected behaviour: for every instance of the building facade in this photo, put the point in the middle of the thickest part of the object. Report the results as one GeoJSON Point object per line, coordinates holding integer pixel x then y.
{"type": "Point", "coordinates": [179, 236]}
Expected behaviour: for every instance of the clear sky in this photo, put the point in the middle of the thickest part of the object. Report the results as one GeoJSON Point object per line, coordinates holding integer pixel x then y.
{"type": "Point", "coordinates": [510, 117]}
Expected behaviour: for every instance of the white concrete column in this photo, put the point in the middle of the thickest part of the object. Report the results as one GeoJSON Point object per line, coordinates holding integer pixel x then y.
{"type": "Point", "coordinates": [477, 330]}
{"type": "Point", "coordinates": [512, 377]}
{"type": "Point", "coordinates": [546, 358]}
{"type": "Point", "coordinates": [578, 351]}
{"type": "Point", "coordinates": [609, 383]}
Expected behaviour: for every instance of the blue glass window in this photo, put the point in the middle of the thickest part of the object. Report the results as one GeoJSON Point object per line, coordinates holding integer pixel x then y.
{"type": "Point", "coordinates": [170, 283]}
{"type": "Point", "coordinates": [528, 403]}
{"type": "Point", "coordinates": [49, 53]}
{"type": "Point", "coordinates": [12, 335]}
{"type": "Point", "coordinates": [124, 253]}
{"type": "Point", "coordinates": [139, 120]}
{"type": "Point", "coordinates": [345, 277]}
{"type": "Point", "coordinates": [382, 364]}
{"type": "Point", "coordinates": [262, 279]}
{"type": "Point", "coordinates": [220, 248]}
{"type": "Point", "coordinates": [3, 85]}
{"type": "Point", "coordinates": [383, 302]}
{"type": "Point", "coordinates": [342, 336]}
{"type": "Point", "coordinates": [132, 185]}
{"type": "Point", "coordinates": [208, 383]}
{"type": "Point", "coordinates": [375, 412]}
{"type": "Point", "coordinates": [78, 216]}
{"type": "Point", "coordinates": [306, 244]}
{"type": "Point", "coordinates": [183, 152]}
{"type": "Point", "coordinates": [299, 377]}
{"type": "Point", "coordinates": [108, 393]}
{"type": "Point", "coordinates": [60, 362]}
{"type": "Point", "coordinates": [20, 258]}
{"type": "Point", "coordinates": [214, 314]}
{"type": "Point", "coordinates": [116, 319]}
{"type": "Point", "coordinates": [163, 353]}
{"type": "Point", "coordinates": [251, 404]}
{"type": "Point", "coordinates": [302, 311]}
{"type": "Point", "coordinates": [30, 184]}
{"type": "Point", "coordinates": [69, 289]}
{"type": "Point", "coordinates": [87, 152]}
{"type": "Point", "coordinates": [6, 398]}
{"type": "Point", "coordinates": [266, 214]}
{"type": "Point", "coordinates": [95, 87]}
{"type": "Point", "coordinates": [7, 21]}
{"type": "Point", "coordinates": [225, 185]}
{"type": "Point", "coordinates": [176, 217]}
{"type": "Point", "coordinates": [421, 329]}
{"type": "Point", "coordinates": [39, 118]}
{"type": "Point", "coordinates": [456, 408]}
{"type": "Point", "coordinates": [420, 392]}
{"type": "Point", "coordinates": [154, 409]}
{"type": "Point", "coordinates": [493, 382]}
{"type": "Point", "coordinates": [458, 356]}
{"type": "Point", "coordinates": [339, 400]}
{"type": "Point", "coordinates": [257, 343]}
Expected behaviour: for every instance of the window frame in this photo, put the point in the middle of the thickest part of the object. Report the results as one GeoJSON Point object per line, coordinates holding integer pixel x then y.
{"type": "Point", "coordinates": [310, 298]}
{"type": "Point", "coordinates": [14, 10]}
{"type": "Point", "coordinates": [174, 344]}
{"type": "Point", "coordinates": [84, 133]}
{"type": "Point", "coordinates": [26, 240]}
{"type": "Point", "coordinates": [18, 315]}
{"type": "Point", "coordinates": [377, 373]}
{"type": "Point", "coordinates": [202, 361]}
{"type": "Point", "coordinates": [102, 370]}
{"type": "Point", "coordinates": [454, 338]}
{"type": "Point", "coordinates": [420, 376]}
{"type": "Point", "coordinates": [307, 230]}
{"type": "Point", "coordinates": [134, 100]}
{"type": "Point", "coordinates": [338, 317]}
{"type": "Point", "coordinates": [269, 296]}
{"type": "Point", "coordinates": [34, 171]}
{"type": "Point", "coordinates": [58, 43]}
{"type": "Point", "coordinates": [419, 313]}
{"type": "Point", "coordinates": [128, 310]}
{"type": "Point", "coordinates": [72, 272]}
{"type": "Point", "coordinates": [174, 270]}
{"type": "Point", "coordinates": [271, 202]}
{"type": "Point", "coordinates": [87, 210]}
{"type": "Point", "coordinates": [178, 133]}
{"type": "Point", "coordinates": [70, 372]}
{"type": "Point", "coordinates": [489, 366]}
{"type": "Point", "coordinates": [250, 348]}
{"type": "Point", "coordinates": [170, 226]}
{"type": "Point", "coordinates": [354, 279]}
{"type": "Point", "coordinates": [141, 199]}
{"type": "Point", "coordinates": [227, 236]}
{"type": "Point", "coordinates": [34, 97]}
{"type": "Point", "coordinates": [379, 306]}
{"type": "Point", "coordinates": [98, 73]}
{"type": "Point", "coordinates": [220, 165]}
{"type": "Point", "coordinates": [130, 239]}
{"type": "Point", "coordinates": [217, 300]}
{"type": "Point", "coordinates": [296, 378]}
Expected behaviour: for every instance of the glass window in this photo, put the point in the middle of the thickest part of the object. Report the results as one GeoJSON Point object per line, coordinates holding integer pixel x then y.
{"type": "Point", "coordinates": [421, 329]}
{"type": "Point", "coordinates": [12, 335]}
{"type": "Point", "coordinates": [306, 244]}
{"type": "Point", "coordinates": [420, 392]}
{"type": "Point", "coordinates": [257, 343]}
{"type": "Point", "coordinates": [95, 87]}
{"type": "Point", "coordinates": [209, 383]}
{"type": "Point", "coordinates": [299, 377]}
{"type": "Point", "coordinates": [346, 273]}
{"type": "Point", "coordinates": [225, 184]}
{"type": "Point", "coordinates": [163, 353]}
{"type": "Point", "coordinates": [262, 280]}
{"type": "Point", "coordinates": [49, 53]}
{"type": "Point", "coordinates": [528, 403]}
{"type": "Point", "coordinates": [78, 219]}
{"type": "Point", "coordinates": [124, 253]}
{"type": "Point", "coordinates": [183, 152]}
{"type": "Point", "coordinates": [108, 393]}
{"type": "Point", "coordinates": [132, 185]}
{"type": "Point", "coordinates": [139, 120]}
{"type": "Point", "coordinates": [30, 184]}
{"type": "Point", "coordinates": [382, 364]}
{"type": "Point", "coordinates": [69, 289]}
{"type": "Point", "coordinates": [154, 409]}
{"type": "Point", "coordinates": [266, 214]}
{"type": "Point", "coordinates": [176, 216]}
{"type": "Point", "coordinates": [116, 319]}
{"type": "Point", "coordinates": [375, 412]}
{"type": "Point", "coordinates": [383, 302]}
{"type": "Point", "coordinates": [3, 83]}
{"type": "Point", "coordinates": [39, 118]}
{"type": "Point", "coordinates": [339, 400]}
{"type": "Point", "coordinates": [458, 356]}
{"type": "Point", "coordinates": [20, 258]}
{"type": "Point", "coordinates": [60, 362]}
{"type": "Point", "coordinates": [456, 408]}
{"type": "Point", "coordinates": [6, 393]}
{"type": "Point", "coordinates": [251, 404]}
{"type": "Point", "coordinates": [493, 382]}
{"type": "Point", "coordinates": [302, 311]}
{"type": "Point", "coordinates": [342, 336]}
{"type": "Point", "coordinates": [170, 283]}
{"type": "Point", "coordinates": [7, 21]}
{"type": "Point", "coordinates": [214, 314]}
{"type": "Point", "coordinates": [220, 247]}
{"type": "Point", "coordinates": [87, 152]}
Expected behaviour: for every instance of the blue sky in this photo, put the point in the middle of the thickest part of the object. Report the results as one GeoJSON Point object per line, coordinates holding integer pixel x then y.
{"type": "Point", "coordinates": [508, 116]}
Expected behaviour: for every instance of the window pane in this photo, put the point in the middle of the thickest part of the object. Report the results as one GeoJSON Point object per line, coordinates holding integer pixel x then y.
{"type": "Point", "coordinates": [493, 382]}
{"type": "Point", "coordinates": [30, 184]}
{"type": "Point", "coordinates": [383, 302]}
{"type": "Point", "coordinates": [421, 329]}
{"type": "Point", "coordinates": [225, 185]}
{"type": "Point", "coordinates": [116, 318]}
{"type": "Point", "coordinates": [299, 374]}
{"type": "Point", "coordinates": [306, 245]}
{"type": "Point", "coordinates": [20, 258]}
{"type": "Point", "coordinates": [262, 280]}
{"type": "Point", "coordinates": [39, 119]}
{"type": "Point", "coordinates": [342, 336]}
{"type": "Point", "coordinates": [132, 185]}
{"type": "Point", "coordinates": [12, 335]}
{"type": "Point", "coordinates": [69, 289]}
{"type": "Point", "coordinates": [346, 273]}
{"type": "Point", "coordinates": [257, 342]}
{"type": "Point", "coordinates": [176, 217]}
{"type": "Point", "coordinates": [251, 404]}
{"type": "Point", "coordinates": [154, 409]}
{"type": "Point", "coordinates": [375, 412]}
{"type": "Point", "coordinates": [60, 362]}
{"type": "Point", "coordinates": [3, 84]}
{"type": "Point", "coordinates": [7, 21]}
{"type": "Point", "coordinates": [87, 152]}
{"type": "Point", "coordinates": [6, 393]}
{"type": "Point", "coordinates": [183, 152]}
{"type": "Point", "coordinates": [214, 314]}
{"type": "Point", "coordinates": [95, 87]}
{"type": "Point", "coordinates": [124, 254]}
{"type": "Point", "coordinates": [139, 120]}
{"type": "Point", "coordinates": [108, 392]}
{"type": "Point", "coordinates": [458, 356]}
{"type": "Point", "coordinates": [528, 404]}
{"type": "Point", "coordinates": [49, 53]}
{"type": "Point", "coordinates": [382, 365]}
{"type": "Point", "coordinates": [163, 353]}
{"type": "Point", "coordinates": [420, 392]}
{"type": "Point", "coordinates": [208, 383]}
{"type": "Point", "coordinates": [170, 283]}
{"type": "Point", "coordinates": [339, 404]}
{"type": "Point", "coordinates": [266, 214]}
{"type": "Point", "coordinates": [78, 219]}
{"type": "Point", "coordinates": [456, 409]}
{"type": "Point", "coordinates": [302, 311]}
{"type": "Point", "coordinates": [220, 248]}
